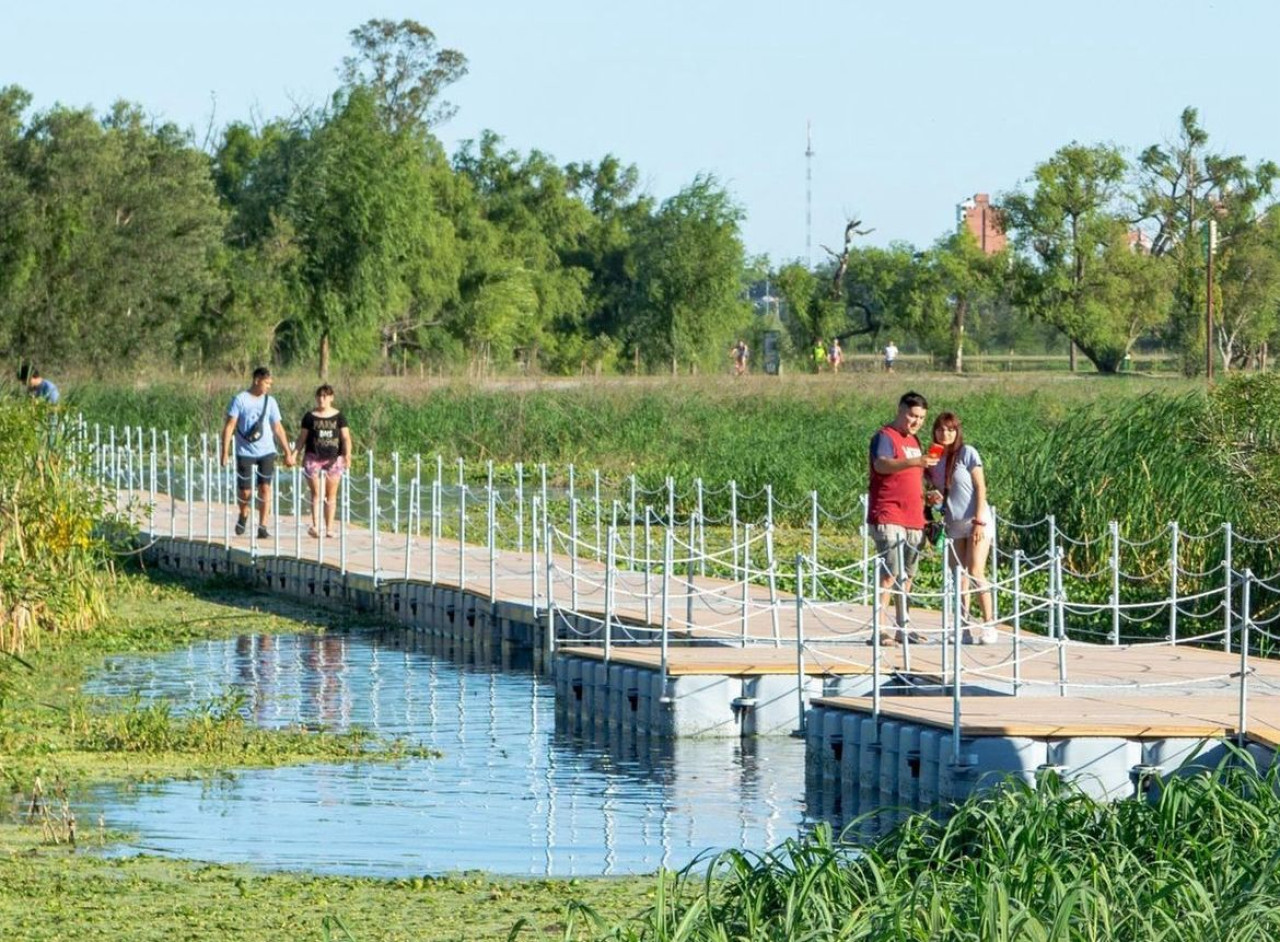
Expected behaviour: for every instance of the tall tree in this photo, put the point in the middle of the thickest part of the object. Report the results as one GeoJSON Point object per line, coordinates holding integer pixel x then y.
{"type": "Point", "coordinates": [128, 223]}
{"type": "Point", "coordinates": [952, 283]}
{"type": "Point", "coordinates": [688, 273]}
{"type": "Point", "coordinates": [363, 210]}
{"type": "Point", "coordinates": [407, 70]}
{"type": "Point", "coordinates": [1070, 230]}
{"type": "Point", "coordinates": [1182, 186]}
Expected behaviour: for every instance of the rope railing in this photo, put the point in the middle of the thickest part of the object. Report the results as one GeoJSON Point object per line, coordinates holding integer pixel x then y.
{"type": "Point", "coordinates": [665, 556]}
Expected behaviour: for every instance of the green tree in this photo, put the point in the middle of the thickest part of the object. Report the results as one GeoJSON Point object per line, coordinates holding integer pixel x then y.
{"type": "Point", "coordinates": [1247, 303]}
{"type": "Point", "coordinates": [406, 69]}
{"type": "Point", "coordinates": [363, 208]}
{"type": "Point", "coordinates": [689, 270]}
{"type": "Point", "coordinates": [1182, 185]}
{"type": "Point", "coordinates": [127, 225]}
{"type": "Point", "coordinates": [525, 288]}
{"type": "Point", "coordinates": [953, 282]}
{"type": "Point", "coordinates": [1073, 236]}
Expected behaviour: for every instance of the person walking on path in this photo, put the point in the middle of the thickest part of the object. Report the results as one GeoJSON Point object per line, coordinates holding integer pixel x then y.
{"type": "Point", "coordinates": [325, 446]}
{"type": "Point", "coordinates": [890, 355]}
{"type": "Point", "coordinates": [895, 503]}
{"type": "Point", "coordinates": [37, 386]}
{"type": "Point", "coordinates": [741, 352]}
{"type": "Point", "coordinates": [819, 355]}
{"type": "Point", "coordinates": [959, 486]}
{"type": "Point", "coordinates": [836, 356]}
{"type": "Point", "coordinates": [253, 420]}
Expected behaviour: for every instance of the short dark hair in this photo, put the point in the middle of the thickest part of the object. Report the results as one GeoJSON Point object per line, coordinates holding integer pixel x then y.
{"type": "Point", "coordinates": [324, 390]}
{"type": "Point", "coordinates": [261, 372]}
{"type": "Point", "coordinates": [913, 400]}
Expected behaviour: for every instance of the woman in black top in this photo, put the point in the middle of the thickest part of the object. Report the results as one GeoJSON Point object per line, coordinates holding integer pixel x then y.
{"type": "Point", "coordinates": [325, 444]}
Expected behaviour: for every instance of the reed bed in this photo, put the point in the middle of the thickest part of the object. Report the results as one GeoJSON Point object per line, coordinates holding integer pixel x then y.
{"type": "Point", "coordinates": [55, 548]}
{"type": "Point", "coordinates": [1198, 861]}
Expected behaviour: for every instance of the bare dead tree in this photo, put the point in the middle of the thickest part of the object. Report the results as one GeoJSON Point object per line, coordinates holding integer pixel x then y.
{"type": "Point", "coordinates": [852, 228]}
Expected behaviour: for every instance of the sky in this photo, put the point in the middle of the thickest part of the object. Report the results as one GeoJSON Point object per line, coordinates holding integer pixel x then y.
{"type": "Point", "coordinates": [914, 106]}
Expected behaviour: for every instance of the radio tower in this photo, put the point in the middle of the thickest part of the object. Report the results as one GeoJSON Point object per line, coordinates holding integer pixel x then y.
{"type": "Point", "coordinates": [808, 194]}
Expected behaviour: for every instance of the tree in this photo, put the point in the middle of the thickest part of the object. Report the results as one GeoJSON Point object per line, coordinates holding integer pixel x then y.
{"type": "Point", "coordinates": [525, 279]}
{"type": "Point", "coordinates": [1072, 234]}
{"type": "Point", "coordinates": [688, 275]}
{"type": "Point", "coordinates": [1183, 185]}
{"type": "Point", "coordinates": [406, 69]}
{"type": "Point", "coordinates": [951, 283]}
{"type": "Point", "coordinates": [365, 217]}
{"type": "Point", "coordinates": [1247, 306]}
{"type": "Point", "coordinates": [126, 225]}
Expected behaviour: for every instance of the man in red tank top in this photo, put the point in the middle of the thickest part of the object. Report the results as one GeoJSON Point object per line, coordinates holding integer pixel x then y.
{"type": "Point", "coordinates": [895, 502]}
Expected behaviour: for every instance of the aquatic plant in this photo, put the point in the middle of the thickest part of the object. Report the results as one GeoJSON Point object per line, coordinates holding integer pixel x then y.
{"type": "Point", "coordinates": [54, 551]}
{"type": "Point", "coordinates": [1199, 860]}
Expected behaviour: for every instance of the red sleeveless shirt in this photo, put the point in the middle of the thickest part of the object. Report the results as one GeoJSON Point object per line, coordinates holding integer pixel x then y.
{"type": "Point", "coordinates": [897, 498]}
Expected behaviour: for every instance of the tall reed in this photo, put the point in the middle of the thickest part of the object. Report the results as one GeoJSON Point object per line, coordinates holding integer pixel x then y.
{"type": "Point", "coordinates": [54, 560]}
{"type": "Point", "coordinates": [1199, 861]}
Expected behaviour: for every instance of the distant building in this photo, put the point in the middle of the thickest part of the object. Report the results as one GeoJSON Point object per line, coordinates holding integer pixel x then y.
{"type": "Point", "coordinates": [983, 220]}
{"type": "Point", "coordinates": [1138, 241]}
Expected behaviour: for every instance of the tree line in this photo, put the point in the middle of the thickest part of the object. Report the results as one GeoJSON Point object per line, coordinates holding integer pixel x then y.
{"type": "Point", "coordinates": [345, 235]}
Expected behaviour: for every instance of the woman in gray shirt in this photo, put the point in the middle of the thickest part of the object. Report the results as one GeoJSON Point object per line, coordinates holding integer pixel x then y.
{"type": "Point", "coordinates": [959, 485]}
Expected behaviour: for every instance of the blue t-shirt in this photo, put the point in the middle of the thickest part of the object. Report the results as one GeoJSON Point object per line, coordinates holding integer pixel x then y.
{"type": "Point", "coordinates": [46, 391]}
{"type": "Point", "coordinates": [245, 408]}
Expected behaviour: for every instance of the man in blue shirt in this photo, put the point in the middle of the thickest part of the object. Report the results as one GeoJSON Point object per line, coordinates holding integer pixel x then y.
{"type": "Point", "coordinates": [37, 386]}
{"type": "Point", "coordinates": [253, 420]}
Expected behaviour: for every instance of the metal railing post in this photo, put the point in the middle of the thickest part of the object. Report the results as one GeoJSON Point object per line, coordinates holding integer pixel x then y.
{"type": "Point", "coordinates": [746, 593]}
{"type": "Point", "coordinates": [1114, 528]}
{"type": "Point", "coordinates": [610, 587]}
{"type": "Point", "coordinates": [1017, 621]}
{"type": "Point", "coordinates": [1245, 624]}
{"type": "Point", "coordinates": [1173, 582]}
{"type": "Point", "coordinates": [813, 543]}
{"type": "Point", "coordinates": [800, 675]}
{"type": "Point", "coordinates": [957, 675]}
{"type": "Point", "coordinates": [395, 492]}
{"type": "Point", "coordinates": [1226, 587]}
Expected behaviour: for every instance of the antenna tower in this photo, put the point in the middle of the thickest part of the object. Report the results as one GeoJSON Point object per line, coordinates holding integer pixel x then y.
{"type": "Point", "coordinates": [808, 194]}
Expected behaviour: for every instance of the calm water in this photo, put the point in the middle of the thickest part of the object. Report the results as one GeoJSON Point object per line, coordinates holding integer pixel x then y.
{"type": "Point", "coordinates": [510, 795]}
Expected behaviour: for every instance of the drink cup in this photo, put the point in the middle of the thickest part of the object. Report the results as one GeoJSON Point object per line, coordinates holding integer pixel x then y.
{"type": "Point", "coordinates": [936, 450]}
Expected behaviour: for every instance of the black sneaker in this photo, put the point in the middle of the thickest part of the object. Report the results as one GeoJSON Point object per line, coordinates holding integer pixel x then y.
{"type": "Point", "coordinates": [240, 525]}
{"type": "Point", "coordinates": [263, 533]}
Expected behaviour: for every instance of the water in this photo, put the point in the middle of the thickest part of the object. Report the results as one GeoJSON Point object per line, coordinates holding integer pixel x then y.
{"type": "Point", "coordinates": [510, 795]}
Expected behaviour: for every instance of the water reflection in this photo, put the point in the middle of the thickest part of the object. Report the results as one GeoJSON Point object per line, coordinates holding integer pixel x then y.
{"type": "Point", "coordinates": [511, 794]}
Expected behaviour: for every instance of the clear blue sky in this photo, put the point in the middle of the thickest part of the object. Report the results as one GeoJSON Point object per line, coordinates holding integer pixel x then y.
{"type": "Point", "coordinates": [914, 105]}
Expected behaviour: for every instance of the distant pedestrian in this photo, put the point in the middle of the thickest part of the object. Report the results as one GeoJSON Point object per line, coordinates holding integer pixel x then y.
{"type": "Point", "coordinates": [253, 420]}
{"type": "Point", "coordinates": [835, 356]}
{"type": "Point", "coordinates": [325, 446]}
{"type": "Point", "coordinates": [741, 353]}
{"type": "Point", "coordinates": [819, 355]}
{"type": "Point", "coordinates": [890, 356]}
{"type": "Point", "coordinates": [37, 386]}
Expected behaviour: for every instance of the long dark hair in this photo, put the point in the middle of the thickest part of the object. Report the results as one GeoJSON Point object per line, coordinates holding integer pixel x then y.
{"type": "Point", "coordinates": [949, 420]}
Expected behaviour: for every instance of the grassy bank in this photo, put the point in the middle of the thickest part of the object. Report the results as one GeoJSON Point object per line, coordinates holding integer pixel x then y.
{"type": "Point", "coordinates": [53, 895]}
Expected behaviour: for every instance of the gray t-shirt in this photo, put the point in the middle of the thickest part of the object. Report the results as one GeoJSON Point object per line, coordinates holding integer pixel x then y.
{"type": "Point", "coordinates": [962, 500]}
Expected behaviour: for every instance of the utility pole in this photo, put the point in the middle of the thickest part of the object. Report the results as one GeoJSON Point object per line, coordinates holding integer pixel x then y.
{"type": "Point", "coordinates": [808, 194]}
